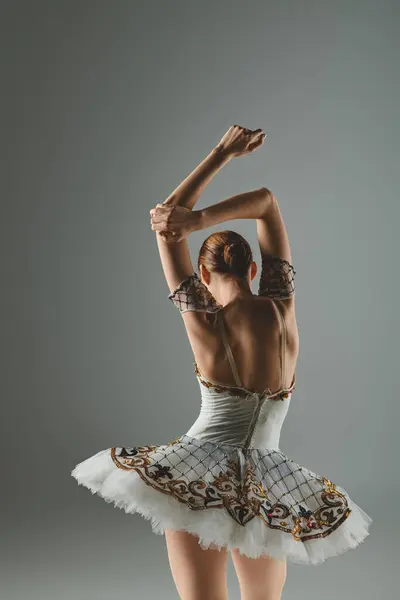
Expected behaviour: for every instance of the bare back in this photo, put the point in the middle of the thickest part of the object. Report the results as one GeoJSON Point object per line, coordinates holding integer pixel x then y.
{"type": "Point", "coordinates": [254, 335]}
{"type": "Point", "coordinates": [255, 326]}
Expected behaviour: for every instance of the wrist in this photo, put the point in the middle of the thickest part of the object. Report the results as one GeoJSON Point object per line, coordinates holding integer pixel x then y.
{"type": "Point", "coordinates": [199, 222]}
{"type": "Point", "coordinates": [222, 154]}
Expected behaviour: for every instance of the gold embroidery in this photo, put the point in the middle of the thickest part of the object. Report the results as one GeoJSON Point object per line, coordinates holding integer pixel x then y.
{"type": "Point", "coordinates": [238, 491]}
{"type": "Point", "coordinates": [172, 442]}
{"type": "Point", "coordinates": [238, 391]}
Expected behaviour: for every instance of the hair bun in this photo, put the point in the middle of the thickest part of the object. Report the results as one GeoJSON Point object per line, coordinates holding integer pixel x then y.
{"type": "Point", "coordinates": [235, 253]}
{"type": "Point", "coordinates": [226, 252]}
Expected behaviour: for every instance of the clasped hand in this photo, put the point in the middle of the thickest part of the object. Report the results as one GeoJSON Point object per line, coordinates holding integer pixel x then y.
{"type": "Point", "coordinates": [174, 222]}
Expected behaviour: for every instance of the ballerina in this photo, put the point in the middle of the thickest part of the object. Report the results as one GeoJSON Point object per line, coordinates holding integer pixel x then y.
{"type": "Point", "coordinates": [225, 486]}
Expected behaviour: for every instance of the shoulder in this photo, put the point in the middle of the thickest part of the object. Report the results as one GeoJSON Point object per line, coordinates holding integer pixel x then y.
{"type": "Point", "coordinates": [266, 302]}
{"type": "Point", "coordinates": [191, 295]}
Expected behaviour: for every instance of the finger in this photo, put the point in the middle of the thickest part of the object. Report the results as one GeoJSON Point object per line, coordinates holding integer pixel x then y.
{"type": "Point", "coordinates": [258, 133]}
{"type": "Point", "coordinates": [159, 227]}
{"type": "Point", "coordinates": [161, 212]}
{"type": "Point", "coordinates": [155, 211]}
{"type": "Point", "coordinates": [169, 237]}
{"type": "Point", "coordinates": [161, 208]}
{"type": "Point", "coordinates": [259, 142]}
{"type": "Point", "coordinates": [157, 219]}
{"type": "Point", "coordinates": [254, 135]}
{"type": "Point", "coordinates": [158, 222]}
{"type": "Point", "coordinates": [161, 224]}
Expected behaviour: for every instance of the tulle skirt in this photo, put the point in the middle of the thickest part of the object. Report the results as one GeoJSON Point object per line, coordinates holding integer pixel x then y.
{"type": "Point", "coordinates": [259, 501]}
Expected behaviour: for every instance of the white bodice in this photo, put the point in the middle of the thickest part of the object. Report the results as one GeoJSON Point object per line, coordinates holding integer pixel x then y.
{"type": "Point", "coordinates": [254, 421]}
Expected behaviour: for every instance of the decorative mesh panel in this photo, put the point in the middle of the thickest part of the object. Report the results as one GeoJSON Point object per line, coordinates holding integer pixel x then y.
{"type": "Point", "coordinates": [192, 294]}
{"type": "Point", "coordinates": [277, 277]}
{"type": "Point", "coordinates": [247, 483]}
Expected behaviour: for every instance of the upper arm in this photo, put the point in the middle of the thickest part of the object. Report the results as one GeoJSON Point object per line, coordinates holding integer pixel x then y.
{"type": "Point", "coordinates": [187, 292]}
{"type": "Point", "coordinates": [175, 261]}
{"type": "Point", "coordinates": [277, 272]}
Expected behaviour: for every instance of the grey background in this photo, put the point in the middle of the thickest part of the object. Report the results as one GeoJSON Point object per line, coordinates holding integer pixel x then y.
{"type": "Point", "coordinates": [106, 107]}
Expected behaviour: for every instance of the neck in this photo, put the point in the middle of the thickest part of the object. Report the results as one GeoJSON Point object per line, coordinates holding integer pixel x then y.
{"type": "Point", "coordinates": [229, 289]}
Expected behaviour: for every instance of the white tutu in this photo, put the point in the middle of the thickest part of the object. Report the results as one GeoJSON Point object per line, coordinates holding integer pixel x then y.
{"type": "Point", "coordinates": [259, 501]}
{"type": "Point", "coordinates": [226, 480]}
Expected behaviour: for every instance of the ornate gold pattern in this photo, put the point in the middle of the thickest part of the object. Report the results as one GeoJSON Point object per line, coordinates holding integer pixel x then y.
{"type": "Point", "coordinates": [239, 391]}
{"type": "Point", "coordinates": [237, 490]}
{"type": "Point", "coordinates": [172, 442]}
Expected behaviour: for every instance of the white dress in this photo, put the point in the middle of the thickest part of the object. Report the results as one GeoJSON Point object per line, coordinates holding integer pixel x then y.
{"type": "Point", "coordinates": [226, 479]}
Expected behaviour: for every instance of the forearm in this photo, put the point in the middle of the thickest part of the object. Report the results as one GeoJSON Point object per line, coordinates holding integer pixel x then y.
{"type": "Point", "coordinates": [248, 205]}
{"type": "Point", "coordinates": [188, 192]}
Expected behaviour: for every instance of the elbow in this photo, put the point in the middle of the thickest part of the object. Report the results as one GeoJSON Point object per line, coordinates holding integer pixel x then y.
{"type": "Point", "coordinates": [267, 193]}
{"type": "Point", "coordinates": [268, 198]}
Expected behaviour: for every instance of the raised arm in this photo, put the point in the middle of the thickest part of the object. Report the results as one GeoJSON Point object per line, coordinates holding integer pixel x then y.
{"type": "Point", "coordinates": [254, 204]}
{"type": "Point", "coordinates": [174, 251]}
{"type": "Point", "coordinates": [175, 255]}
{"type": "Point", "coordinates": [277, 272]}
